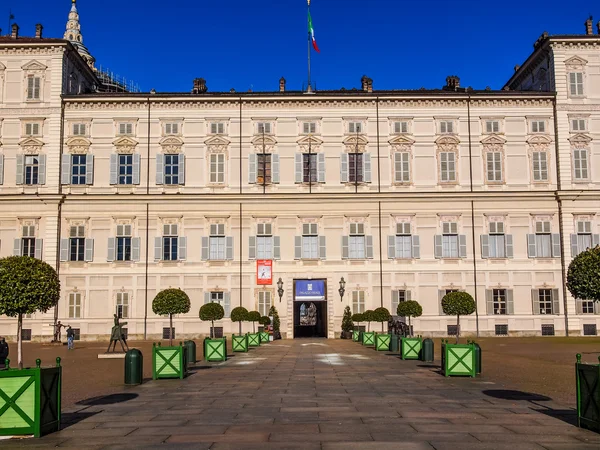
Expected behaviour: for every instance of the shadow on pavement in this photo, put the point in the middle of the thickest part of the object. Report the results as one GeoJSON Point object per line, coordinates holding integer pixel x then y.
{"type": "Point", "coordinates": [108, 399]}
{"type": "Point", "coordinates": [69, 419]}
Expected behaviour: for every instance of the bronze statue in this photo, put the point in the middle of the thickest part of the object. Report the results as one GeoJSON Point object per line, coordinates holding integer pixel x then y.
{"type": "Point", "coordinates": [117, 335]}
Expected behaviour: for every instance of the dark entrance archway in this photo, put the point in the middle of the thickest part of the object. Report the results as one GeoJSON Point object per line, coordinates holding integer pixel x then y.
{"type": "Point", "coordinates": [310, 308]}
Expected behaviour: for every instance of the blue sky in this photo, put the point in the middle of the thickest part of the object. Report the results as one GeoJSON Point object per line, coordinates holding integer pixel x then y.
{"type": "Point", "coordinates": [250, 45]}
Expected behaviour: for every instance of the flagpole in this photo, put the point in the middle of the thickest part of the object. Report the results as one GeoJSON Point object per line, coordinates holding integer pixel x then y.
{"type": "Point", "coordinates": [309, 88]}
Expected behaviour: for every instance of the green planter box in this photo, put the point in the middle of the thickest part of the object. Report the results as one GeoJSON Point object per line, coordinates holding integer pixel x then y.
{"type": "Point", "coordinates": [368, 338]}
{"type": "Point", "coordinates": [264, 336]}
{"type": "Point", "coordinates": [355, 335]}
{"type": "Point", "coordinates": [30, 400]}
{"type": "Point", "coordinates": [411, 348]}
{"type": "Point", "coordinates": [215, 349]}
{"type": "Point", "coordinates": [239, 343]}
{"type": "Point", "coordinates": [459, 360]}
{"type": "Point", "coordinates": [168, 362]}
{"type": "Point", "coordinates": [382, 342]}
{"type": "Point", "coordinates": [588, 395]}
{"type": "Point", "coordinates": [253, 339]}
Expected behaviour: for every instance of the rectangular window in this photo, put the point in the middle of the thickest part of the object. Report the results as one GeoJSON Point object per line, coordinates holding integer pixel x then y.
{"type": "Point", "coordinates": [538, 126]}
{"type": "Point", "coordinates": [263, 169]}
{"type": "Point", "coordinates": [401, 297]}
{"type": "Point", "coordinates": [450, 245]}
{"type": "Point", "coordinates": [125, 169]}
{"type": "Point", "coordinates": [79, 129]}
{"type": "Point", "coordinates": [446, 127]}
{"type": "Point", "coordinates": [78, 169]}
{"type": "Point", "coordinates": [543, 240]}
{"type": "Point", "coordinates": [402, 167]}
{"type": "Point", "coordinates": [170, 242]}
{"type": "Point", "coordinates": [74, 305]}
{"type": "Point", "coordinates": [217, 242]}
{"type": "Point", "coordinates": [358, 302]}
{"type": "Point", "coordinates": [447, 166]}
{"type": "Point", "coordinates": [264, 241]}
{"type": "Point", "coordinates": [309, 168]}
{"type": "Point", "coordinates": [545, 298]}
{"type": "Point", "coordinates": [123, 305]}
{"type": "Point", "coordinates": [584, 235]}
{"type": "Point", "coordinates": [355, 167]}
{"type": "Point", "coordinates": [499, 300]}
{"type": "Point", "coordinates": [403, 241]}
{"type": "Point", "coordinates": [171, 169]}
{"type": "Point", "coordinates": [310, 241]}
{"type": "Point", "coordinates": [32, 168]}
{"type": "Point", "coordinates": [356, 241]}
{"type": "Point", "coordinates": [32, 129]}
{"type": "Point", "coordinates": [309, 127]}
{"type": "Point", "coordinates": [400, 127]}
{"type": "Point", "coordinates": [576, 83]}
{"type": "Point", "coordinates": [218, 297]}
{"type": "Point", "coordinates": [354, 127]}
{"type": "Point", "coordinates": [263, 127]}
{"type": "Point", "coordinates": [264, 302]}
{"type": "Point", "coordinates": [494, 166]}
{"type": "Point", "coordinates": [587, 306]}
{"type": "Point", "coordinates": [580, 163]}
{"type": "Point", "coordinates": [33, 87]}
{"type": "Point", "coordinates": [123, 242]}
{"type": "Point", "coordinates": [125, 129]}
{"type": "Point", "coordinates": [217, 168]}
{"type": "Point", "coordinates": [578, 125]}
{"type": "Point", "coordinates": [540, 166]}
{"type": "Point", "coordinates": [171, 128]}
{"type": "Point", "coordinates": [492, 126]}
{"type": "Point", "coordinates": [497, 240]}
{"type": "Point", "coordinates": [217, 128]}
{"type": "Point", "coordinates": [28, 247]}
{"type": "Point", "coordinates": [77, 243]}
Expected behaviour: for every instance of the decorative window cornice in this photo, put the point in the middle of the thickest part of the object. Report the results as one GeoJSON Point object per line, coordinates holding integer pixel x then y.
{"type": "Point", "coordinates": [78, 145]}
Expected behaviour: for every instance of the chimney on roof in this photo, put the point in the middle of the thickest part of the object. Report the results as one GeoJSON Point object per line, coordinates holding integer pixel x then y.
{"type": "Point", "coordinates": [589, 26]}
{"type": "Point", "coordinates": [15, 31]}
{"type": "Point", "coordinates": [282, 84]}
{"type": "Point", "coordinates": [452, 83]}
{"type": "Point", "coordinates": [199, 86]}
{"type": "Point", "coordinates": [517, 67]}
{"type": "Point", "coordinates": [38, 30]}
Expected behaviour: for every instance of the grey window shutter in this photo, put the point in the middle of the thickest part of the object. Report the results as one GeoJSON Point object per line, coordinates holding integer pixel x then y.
{"type": "Point", "coordinates": [275, 168]}
{"type": "Point", "coordinates": [89, 169]}
{"type": "Point", "coordinates": [555, 302]}
{"type": "Point", "coordinates": [578, 306]}
{"type": "Point", "coordinates": [298, 247]}
{"type": "Point", "coordinates": [276, 247]}
{"type": "Point", "coordinates": [510, 302]}
{"type": "Point", "coordinates": [181, 169]}
{"type": "Point", "coordinates": [574, 246]}
{"type": "Point", "coordinates": [158, 248]}
{"type": "Point", "coordinates": [391, 247]}
{"type": "Point", "coordinates": [596, 307]}
{"type": "Point", "coordinates": [345, 249]}
{"type": "Point", "coordinates": [42, 169]}
{"type": "Point", "coordinates": [20, 169]}
{"type": "Point", "coordinates": [206, 297]}
{"type": "Point", "coordinates": [65, 169]}
{"type": "Point", "coordinates": [252, 168]}
{"type": "Point", "coordinates": [531, 248]}
{"type": "Point", "coordinates": [135, 249]}
{"type": "Point", "coordinates": [229, 248]}
{"type": "Point", "coordinates": [408, 295]}
{"type": "Point", "coordinates": [89, 250]}
{"type": "Point", "coordinates": [369, 246]}
{"type": "Point", "coordinates": [114, 168]}
{"type": "Point", "coordinates": [112, 244]}
{"type": "Point", "coordinates": [441, 294]}
{"type": "Point", "coordinates": [182, 248]}
{"type": "Point", "coordinates": [394, 303]}
{"type": "Point", "coordinates": [485, 246]}
{"type": "Point", "coordinates": [556, 245]}
{"type": "Point", "coordinates": [298, 167]}
{"type": "Point", "coordinates": [321, 167]}
{"type": "Point", "coordinates": [136, 168]}
{"type": "Point", "coordinates": [535, 301]}
{"type": "Point", "coordinates": [416, 246]}
{"type": "Point", "coordinates": [367, 167]}
{"type": "Point", "coordinates": [344, 168]}
{"type": "Point", "coordinates": [205, 254]}
{"type": "Point", "coordinates": [64, 249]}
{"type": "Point", "coordinates": [227, 303]}
{"type": "Point", "coordinates": [489, 302]}
{"type": "Point", "coordinates": [438, 249]}
{"type": "Point", "coordinates": [595, 240]}
{"type": "Point", "coordinates": [251, 247]}
{"type": "Point", "coordinates": [39, 244]}
{"type": "Point", "coordinates": [322, 247]}
{"type": "Point", "coordinates": [160, 168]}
{"type": "Point", "coordinates": [463, 245]}
{"type": "Point", "coordinates": [17, 247]}
{"type": "Point", "coordinates": [1, 169]}
{"type": "Point", "coordinates": [508, 242]}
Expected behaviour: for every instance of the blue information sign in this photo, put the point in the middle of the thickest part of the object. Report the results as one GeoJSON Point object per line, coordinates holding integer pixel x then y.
{"type": "Point", "coordinates": [310, 290]}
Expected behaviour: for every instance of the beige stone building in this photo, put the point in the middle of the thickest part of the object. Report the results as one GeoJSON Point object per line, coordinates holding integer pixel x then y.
{"type": "Point", "coordinates": [403, 194]}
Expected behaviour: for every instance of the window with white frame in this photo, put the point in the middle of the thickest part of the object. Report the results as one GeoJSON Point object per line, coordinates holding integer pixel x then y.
{"type": "Point", "coordinates": [217, 168]}
{"type": "Point", "coordinates": [264, 241]}
{"type": "Point", "coordinates": [447, 166]}
{"type": "Point", "coordinates": [540, 166]}
{"type": "Point", "coordinates": [585, 306]}
{"type": "Point", "coordinates": [545, 301]}
{"type": "Point", "coordinates": [28, 241]}
{"type": "Point", "coordinates": [75, 305]}
{"type": "Point", "coordinates": [217, 242]}
{"type": "Point", "coordinates": [78, 169]}
{"type": "Point", "coordinates": [538, 126]}
{"type": "Point", "coordinates": [264, 302]}
{"type": "Point", "coordinates": [310, 241]}
{"type": "Point", "coordinates": [497, 240]}
{"type": "Point", "coordinates": [171, 169]}
{"type": "Point", "coordinates": [79, 129]}
{"type": "Point", "coordinates": [125, 169]}
{"type": "Point", "coordinates": [218, 297]}
{"type": "Point", "coordinates": [580, 164]}
{"type": "Point", "coordinates": [543, 239]}
{"type": "Point", "coordinates": [34, 87]}
{"type": "Point", "coordinates": [217, 128]}
{"type": "Point", "coordinates": [123, 243]}
{"type": "Point", "coordinates": [494, 166]}
{"type": "Point", "coordinates": [309, 127]}
{"type": "Point", "coordinates": [170, 241]}
{"type": "Point", "coordinates": [583, 239]}
{"type": "Point", "coordinates": [171, 128]}
{"type": "Point", "coordinates": [355, 127]}
{"type": "Point", "coordinates": [122, 305]}
{"type": "Point", "coordinates": [578, 125]}
{"type": "Point", "coordinates": [31, 169]}
{"type": "Point", "coordinates": [400, 127]}
{"type": "Point", "coordinates": [446, 127]}
{"type": "Point", "coordinates": [33, 129]}
{"type": "Point", "coordinates": [492, 126]}
{"type": "Point", "coordinates": [397, 298]}
{"type": "Point", "coordinates": [576, 84]}
{"type": "Point", "coordinates": [77, 243]}
{"type": "Point", "coordinates": [401, 167]}
{"type": "Point", "coordinates": [403, 241]}
{"type": "Point", "coordinates": [499, 301]}
{"type": "Point", "coordinates": [125, 128]}
{"type": "Point", "coordinates": [263, 127]}
{"type": "Point", "coordinates": [358, 302]}
{"type": "Point", "coordinates": [356, 241]}
{"type": "Point", "coordinates": [450, 244]}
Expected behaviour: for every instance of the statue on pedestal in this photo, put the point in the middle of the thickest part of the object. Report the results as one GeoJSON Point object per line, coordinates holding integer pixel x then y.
{"type": "Point", "coordinates": [117, 335]}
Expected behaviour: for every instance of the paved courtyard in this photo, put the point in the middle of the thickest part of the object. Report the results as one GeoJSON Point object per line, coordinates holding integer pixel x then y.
{"type": "Point", "coordinates": [318, 394]}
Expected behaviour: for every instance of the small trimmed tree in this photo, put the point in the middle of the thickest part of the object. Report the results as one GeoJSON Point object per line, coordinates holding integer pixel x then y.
{"type": "Point", "coordinates": [27, 285]}
{"type": "Point", "coordinates": [253, 316]}
{"type": "Point", "coordinates": [265, 321]}
{"type": "Point", "coordinates": [358, 318]}
{"type": "Point", "coordinates": [169, 302]}
{"type": "Point", "coordinates": [276, 322]}
{"type": "Point", "coordinates": [368, 317]}
{"type": "Point", "coordinates": [347, 324]}
{"type": "Point", "coordinates": [458, 304]}
{"type": "Point", "coordinates": [212, 312]}
{"type": "Point", "coordinates": [583, 276]}
{"type": "Point", "coordinates": [381, 314]}
{"type": "Point", "coordinates": [239, 314]}
{"type": "Point", "coordinates": [409, 308]}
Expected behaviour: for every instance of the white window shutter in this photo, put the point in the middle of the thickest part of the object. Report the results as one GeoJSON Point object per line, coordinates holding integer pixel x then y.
{"type": "Point", "coordinates": [322, 247]}
{"type": "Point", "coordinates": [595, 240]}
{"type": "Point", "coordinates": [394, 302]}
{"type": "Point", "coordinates": [369, 246]}
{"type": "Point", "coordinates": [182, 248]}
{"type": "Point", "coordinates": [251, 247]}
{"type": "Point", "coordinates": [275, 168]}
{"type": "Point", "coordinates": [345, 249]}
{"type": "Point", "coordinates": [298, 167]}
{"type": "Point", "coordinates": [17, 247]}
{"type": "Point", "coordinates": [206, 297]}
{"type": "Point", "coordinates": [181, 169]}
{"type": "Point", "coordinates": [321, 167]}
{"type": "Point", "coordinates": [297, 247]}
{"type": "Point", "coordinates": [20, 169]}
{"type": "Point", "coordinates": [276, 247]}
{"type": "Point", "coordinates": [252, 168]}
{"type": "Point", "coordinates": [391, 247]}
{"type": "Point", "coordinates": [135, 249]}
{"type": "Point", "coordinates": [489, 302]}
{"type": "Point", "coordinates": [136, 168]}
{"type": "Point", "coordinates": [438, 249]}
{"type": "Point", "coordinates": [416, 246]}
{"type": "Point", "coordinates": [556, 245]}
{"type": "Point", "coordinates": [574, 246]}
{"type": "Point", "coordinates": [578, 306]}
{"type": "Point", "coordinates": [555, 302]}
{"type": "Point", "coordinates": [42, 169]}
{"type": "Point", "coordinates": [441, 295]}
{"type": "Point", "coordinates": [64, 250]}
{"type": "Point", "coordinates": [89, 169]}
{"type": "Point", "coordinates": [510, 302]}
{"type": "Point", "coordinates": [114, 168]}
{"type": "Point", "coordinates": [89, 250]}
{"type": "Point", "coordinates": [227, 303]}
{"type": "Point", "coordinates": [509, 247]}
{"type": "Point", "coordinates": [485, 246]}
{"type": "Point", "coordinates": [229, 248]}
{"type": "Point", "coordinates": [39, 244]}
{"type": "Point", "coordinates": [205, 254]}
{"type": "Point", "coordinates": [531, 247]}
{"type": "Point", "coordinates": [158, 248]}
{"type": "Point", "coordinates": [160, 168]}
{"type": "Point", "coordinates": [367, 167]}
{"type": "Point", "coordinates": [1, 169]}
{"type": "Point", "coordinates": [463, 245]}
{"type": "Point", "coordinates": [344, 168]}
{"type": "Point", "coordinates": [535, 301]}
{"type": "Point", "coordinates": [65, 170]}
{"type": "Point", "coordinates": [112, 245]}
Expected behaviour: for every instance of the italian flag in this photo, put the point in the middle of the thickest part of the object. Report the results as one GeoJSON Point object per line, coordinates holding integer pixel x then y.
{"type": "Point", "coordinates": [311, 31]}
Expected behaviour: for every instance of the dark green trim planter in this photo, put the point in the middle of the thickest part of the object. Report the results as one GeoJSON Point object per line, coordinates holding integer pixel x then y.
{"type": "Point", "coordinates": [355, 335]}
{"type": "Point", "coordinates": [168, 362]}
{"type": "Point", "coordinates": [459, 360]}
{"type": "Point", "coordinates": [253, 339]}
{"type": "Point", "coordinates": [588, 395]}
{"type": "Point", "coordinates": [264, 336]}
{"type": "Point", "coordinates": [215, 349]}
{"type": "Point", "coordinates": [368, 338]}
{"type": "Point", "coordinates": [382, 342]}
{"type": "Point", "coordinates": [30, 400]}
{"type": "Point", "coordinates": [410, 348]}
{"type": "Point", "coordinates": [239, 343]}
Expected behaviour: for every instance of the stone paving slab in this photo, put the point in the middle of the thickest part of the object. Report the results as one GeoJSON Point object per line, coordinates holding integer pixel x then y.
{"type": "Point", "coordinates": [328, 395]}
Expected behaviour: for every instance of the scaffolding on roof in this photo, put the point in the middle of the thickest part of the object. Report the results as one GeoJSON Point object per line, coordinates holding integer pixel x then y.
{"type": "Point", "coordinates": [112, 82]}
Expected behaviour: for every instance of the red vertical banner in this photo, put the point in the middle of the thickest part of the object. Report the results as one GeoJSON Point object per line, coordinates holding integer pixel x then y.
{"type": "Point", "coordinates": [264, 272]}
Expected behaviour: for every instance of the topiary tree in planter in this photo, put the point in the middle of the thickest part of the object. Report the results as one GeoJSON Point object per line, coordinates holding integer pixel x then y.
{"type": "Point", "coordinates": [169, 302]}
{"type": "Point", "coordinates": [27, 285]}
{"type": "Point", "coordinates": [358, 318]}
{"type": "Point", "coordinates": [368, 317]}
{"type": "Point", "coordinates": [381, 314]}
{"type": "Point", "coordinates": [276, 322]}
{"type": "Point", "coordinates": [458, 304]}
{"type": "Point", "coordinates": [239, 314]}
{"type": "Point", "coordinates": [409, 308]}
{"type": "Point", "coordinates": [583, 276]}
{"type": "Point", "coordinates": [347, 325]}
{"type": "Point", "coordinates": [212, 312]}
{"type": "Point", "coordinates": [253, 316]}
{"type": "Point", "coordinates": [265, 321]}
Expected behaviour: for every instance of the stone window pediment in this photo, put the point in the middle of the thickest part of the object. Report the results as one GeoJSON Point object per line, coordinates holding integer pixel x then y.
{"type": "Point", "coordinates": [539, 142]}
{"type": "Point", "coordinates": [33, 66]}
{"type": "Point", "coordinates": [401, 140]}
{"type": "Point", "coordinates": [580, 141]}
{"type": "Point", "coordinates": [2, 67]}
{"type": "Point", "coordinates": [311, 142]}
{"type": "Point", "coordinates": [171, 144]}
{"type": "Point", "coordinates": [31, 145]}
{"type": "Point", "coordinates": [217, 141]}
{"type": "Point", "coordinates": [125, 144]}
{"type": "Point", "coordinates": [266, 142]}
{"type": "Point", "coordinates": [447, 144]}
{"type": "Point", "coordinates": [78, 145]}
{"type": "Point", "coordinates": [493, 140]}
{"type": "Point", "coordinates": [575, 62]}
{"type": "Point", "coordinates": [355, 142]}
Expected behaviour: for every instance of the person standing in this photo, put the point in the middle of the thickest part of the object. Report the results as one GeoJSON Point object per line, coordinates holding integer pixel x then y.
{"type": "Point", "coordinates": [70, 338]}
{"type": "Point", "coordinates": [3, 352]}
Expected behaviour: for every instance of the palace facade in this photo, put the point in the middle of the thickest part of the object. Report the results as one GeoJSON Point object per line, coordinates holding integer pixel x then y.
{"type": "Point", "coordinates": [403, 194]}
